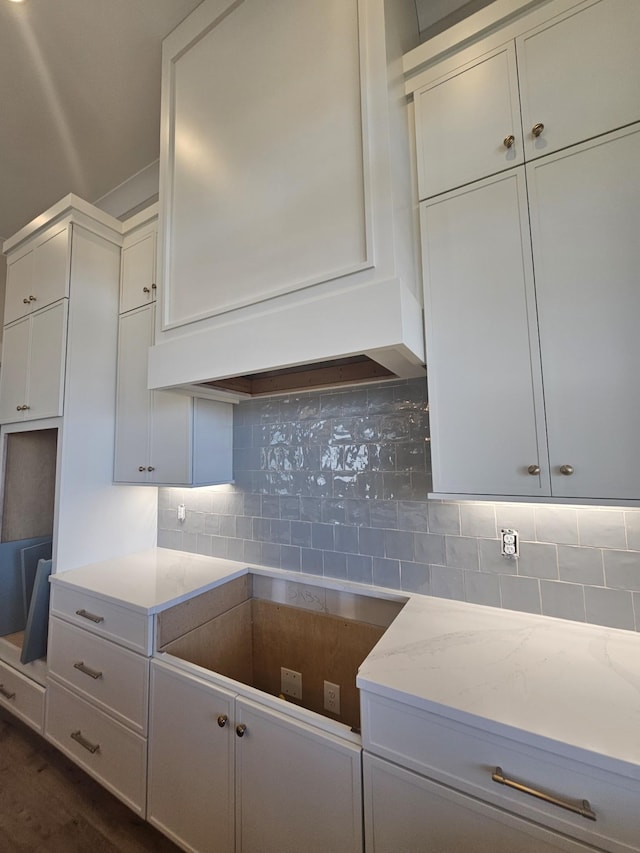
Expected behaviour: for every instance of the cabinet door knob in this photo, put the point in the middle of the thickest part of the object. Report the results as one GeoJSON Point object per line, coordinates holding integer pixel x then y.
{"type": "Point", "coordinates": [141, 468]}
{"type": "Point", "coordinates": [26, 301]}
{"type": "Point", "coordinates": [534, 470]}
{"type": "Point", "coordinates": [222, 720]}
{"type": "Point", "coordinates": [508, 140]}
{"type": "Point", "coordinates": [26, 408]}
{"type": "Point", "coordinates": [567, 470]}
{"type": "Point", "coordinates": [18, 408]}
{"type": "Point", "coordinates": [146, 290]}
{"type": "Point", "coordinates": [153, 287]}
{"type": "Point", "coordinates": [537, 129]}
{"type": "Point", "coordinates": [151, 468]}
{"type": "Point", "coordinates": [32, 299]}
{"type": "Point", "coordinates": [241, 729]}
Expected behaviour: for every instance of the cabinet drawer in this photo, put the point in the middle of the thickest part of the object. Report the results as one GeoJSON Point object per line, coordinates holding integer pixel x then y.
{"type": "Point", "coordinates": [108, 751]}
{"type": "Point", "coordinates": [465, 757]}
{"type": "Point", "coordinates": [126, 627]}
{"type": "Point", "coordinates": [115, 679]}
{"type": "Point", "coordinates": [22, 697]}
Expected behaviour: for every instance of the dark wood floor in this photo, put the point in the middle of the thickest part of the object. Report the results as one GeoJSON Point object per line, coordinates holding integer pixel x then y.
{"type": "Point", "coordinates": [49, 805]}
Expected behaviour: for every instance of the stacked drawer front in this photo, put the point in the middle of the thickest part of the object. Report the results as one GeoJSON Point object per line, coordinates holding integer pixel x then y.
{"type": "Point", "coordinates": [22, 697]}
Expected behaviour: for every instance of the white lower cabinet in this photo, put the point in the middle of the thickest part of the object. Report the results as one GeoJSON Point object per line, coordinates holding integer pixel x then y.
{"type": "Point", "coordinates": [22, 696]}
{"type": "Point", "coordinates": [407, 813]}
{"type": "Point", "coordinates": [98, 690]}
{"type": "Point", "coordinates": [227, 773]}
{"type": "Point", "coordinates": [432, 783]}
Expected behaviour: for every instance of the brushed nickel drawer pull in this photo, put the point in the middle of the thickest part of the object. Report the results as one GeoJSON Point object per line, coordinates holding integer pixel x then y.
{"type": "Point", "coordinates": [581, 807]}
{"type": "Point", "coordinates": [82, 667]}
{"type": "Point", "coordinates": [91, 747]}
{"type": "Point", "coordinates": [90, 616]}
{"type": "Point", "coordinates": [6, 693]}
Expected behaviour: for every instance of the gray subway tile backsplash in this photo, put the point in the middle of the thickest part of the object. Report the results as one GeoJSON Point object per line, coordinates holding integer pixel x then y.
{"type": "Point", "coordinates": [336, 483]}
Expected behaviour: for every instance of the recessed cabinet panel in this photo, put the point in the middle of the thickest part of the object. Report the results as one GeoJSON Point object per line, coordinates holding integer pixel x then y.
{"type": "Point", "coordinates": [133, 398]}
{"type": "Point", "coordinates": [469, 123]}
{"type": "Point", "coordinates": [484, 384]}
{"type": "Point", "coordinates": [580, 75]}
{"type": "Point", "coordinates": [191, 761]}
{"type": "Point", "coordinates": [137, 283]}
{"type": "Point", "coordinates": [40, 276]}
{"type": "Point", "coordinates": [585, 207]}
{"type": "Point", "coordinates": [47, 363]}
{"type": "Point", "coordinates": [15, 365]}
{"type": "Point", "coordinates": [19, 281]}
{"type": "Point", "coordinates": [316, 773]}
{"type": "Point", "coordinates": [266, 184]}
{"type": "Point", "coordinates": [171, 437]}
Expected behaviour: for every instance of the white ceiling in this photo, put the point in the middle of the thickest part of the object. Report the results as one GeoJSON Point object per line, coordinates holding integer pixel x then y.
{"type": "Point", "coordinates": [80, 94]}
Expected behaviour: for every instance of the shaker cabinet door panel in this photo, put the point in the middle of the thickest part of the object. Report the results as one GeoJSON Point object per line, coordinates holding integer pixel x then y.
{"type": "Point", "coordinates": [171, 431]}
{"type": "Point", "coordinates": [585, 207]}
{"type": "Point", "coordinates": [484, 384]}
{"type": "Point", "coordinates": [580, 75]}
{"type": "Point", "coordinates": [137, 282]}
{"type": "Point", "coordinates": [191, 761]}
{"type": "Point", "coordinates": [468, 123]}
{"type": "Point", "coordinates": [15, 365]}
{"type": "Point", "coordinates": [133, 398]}
{"type": "Point", "coordinates": [19, 282]}
{"type": "Point", "coordinates": [287, 774]}
{"type": "Point", "coordinates": [47, 361]}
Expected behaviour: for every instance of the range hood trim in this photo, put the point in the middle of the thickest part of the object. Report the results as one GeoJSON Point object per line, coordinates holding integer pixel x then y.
{"type": "Point", "coordinates": [382, 321]}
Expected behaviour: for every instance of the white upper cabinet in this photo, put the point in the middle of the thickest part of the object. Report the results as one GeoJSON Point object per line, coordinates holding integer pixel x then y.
{"type": "Point", "coordinates": [485, 392]}
{"type": "Point", "coordinates": [138, 265]}
{"type": "Point", "coordinates": [469, 123]}
{"type": "Point", "coordinates": [585, 204]}
{"type": "Point", "coordinates": [579, 75]}
{"type": "Point", "coordinates": [530, 273]}
{"type": "Point", "coordinates": [285, 183]}
{"type": "Point", "coordinates": [38, 274]}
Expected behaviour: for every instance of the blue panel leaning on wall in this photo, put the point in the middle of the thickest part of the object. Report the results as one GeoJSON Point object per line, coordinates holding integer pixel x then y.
{"type": "Point", "coordinates": [335, 483]}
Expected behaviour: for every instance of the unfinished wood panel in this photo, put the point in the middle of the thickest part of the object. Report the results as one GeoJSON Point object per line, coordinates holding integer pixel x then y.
{"type": "Point", "coordinates": [178, 620]}
{"type": "Point", "coordinates": [29, 484]}
{"type": "Point", "coordinates": [16, 639]}
{"type": "Point", "coordinates": [322, 648]}
{"type": "Point", "coordinates": [222, 645]}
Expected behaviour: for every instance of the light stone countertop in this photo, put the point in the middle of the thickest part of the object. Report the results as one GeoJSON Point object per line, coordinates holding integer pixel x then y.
{"type": "Point", "coordinates": [563, 686]}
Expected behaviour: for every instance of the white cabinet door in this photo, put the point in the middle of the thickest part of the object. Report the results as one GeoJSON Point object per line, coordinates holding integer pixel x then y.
{"type": "Point", "coordinates": [297, 788]}
{"type": "Point", "coordinates": [137, 277]}
{"type": "Point", "coordinates": [468, 123]}
{"type": "Point", "coordinates": [133, 400]}
{"type": "Point", "coordinates": [39, 276]}
{"type": "Point", "coordinates": [406, 813]}
{"type": "Point", "coordinates": [585, 206]}
{"type": "Point", "coordinates": [33, 365]}
{"type": "Point", "coordinates": [191, 761]}
{"type": "Point", "coordinates": [487, 418]}
{"type": "Point", "coordinates": [580, 74]}
{"type": "Point", "coordinates": [47, 361]}
{"type": "Point", "coordinates": [13, 375]}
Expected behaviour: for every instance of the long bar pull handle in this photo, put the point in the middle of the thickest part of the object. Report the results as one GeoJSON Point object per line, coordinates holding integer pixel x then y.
{"type": "Point", "coordinates": [92, 673]}
{"type": "Point", "coordinates": [91, 747]}
{"type": "Point", "coordinates": [91, 616]}
{"type": "Point", "coordinates": [6, 693]}
{"type": "Point", "coordinates": [581, 807]}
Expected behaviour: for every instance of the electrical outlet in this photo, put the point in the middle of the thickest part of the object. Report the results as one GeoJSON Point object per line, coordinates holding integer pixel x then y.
{"type": "Point", "coordinates": [182, 512]}
{"type": "Point", "coordinates": [509, 542]}
{"type": "Point", "coordinates": [332, 697]}
{"type": "Point", "coordinates": [291, 683]}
